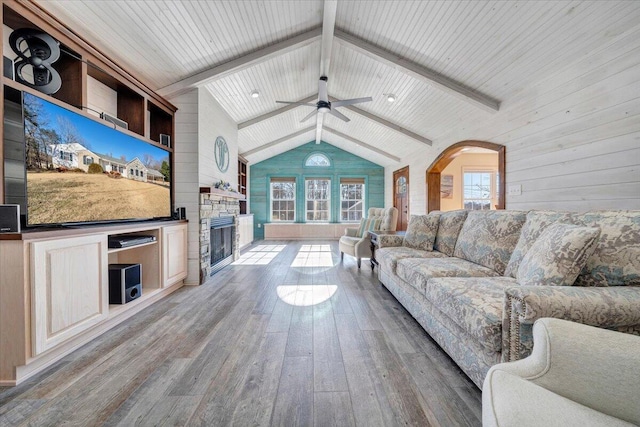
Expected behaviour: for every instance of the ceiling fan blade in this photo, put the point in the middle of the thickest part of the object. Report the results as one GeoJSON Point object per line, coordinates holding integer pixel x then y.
{"type": "Point", "coordinates": [319, 120]}
{"type": "Point", "coordinates": [308, 104]}
{"type": "Point", "coordinates": [350, 101]}
{"type": "Point", "coordinates": [323, 95]}
{"type": "Point", "coordinates": [307, 117]}
{"type": "Point", "coordinates": [338, 114]}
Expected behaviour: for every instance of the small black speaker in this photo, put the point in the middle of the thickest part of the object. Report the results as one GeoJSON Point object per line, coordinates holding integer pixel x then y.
{"type": "Point", "coordinates": [8, 68]}
{"type": "Point", "coordinates": [125, 283]}
{"type": "Point", "coordinates": [183, 213]}
{"type": "Point", "coordinates": [165, 139]}
{"type": "Point", "coordinates": [9, 218]}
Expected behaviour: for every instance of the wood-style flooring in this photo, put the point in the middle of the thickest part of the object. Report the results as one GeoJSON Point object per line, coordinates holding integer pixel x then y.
{"type": "Point", "coordinates": [287, 336]}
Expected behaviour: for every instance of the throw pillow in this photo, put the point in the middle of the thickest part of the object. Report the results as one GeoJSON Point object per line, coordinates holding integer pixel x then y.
{"type": "Point", "coordinates": [421, 232]}
{"type": "Point", "coordinates": [557, 255]}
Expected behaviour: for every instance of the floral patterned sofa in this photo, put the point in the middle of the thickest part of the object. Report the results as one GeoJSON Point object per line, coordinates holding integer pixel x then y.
{"type": "Point", "coordinates": [477, 281]}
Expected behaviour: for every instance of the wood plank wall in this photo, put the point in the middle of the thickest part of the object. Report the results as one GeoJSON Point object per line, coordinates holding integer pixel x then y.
{"type": "Point", "coordinates": [186, 177]}
{"type": "Point", "coordinates": [291, 164]}
{"type": "Point", "coordinates": [573, 139]}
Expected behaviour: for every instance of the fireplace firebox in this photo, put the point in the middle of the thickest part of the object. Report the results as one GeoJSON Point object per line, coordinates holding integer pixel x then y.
{"type": "Point", "coordinates": [223, 235]}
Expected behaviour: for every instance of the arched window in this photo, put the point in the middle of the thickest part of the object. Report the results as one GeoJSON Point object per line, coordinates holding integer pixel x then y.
{"type": "Point", "coordinates": [317, 159]}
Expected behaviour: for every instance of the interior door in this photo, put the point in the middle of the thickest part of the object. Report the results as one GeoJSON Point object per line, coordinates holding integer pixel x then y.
{"type": "Point", "coordinates": [401, 197]}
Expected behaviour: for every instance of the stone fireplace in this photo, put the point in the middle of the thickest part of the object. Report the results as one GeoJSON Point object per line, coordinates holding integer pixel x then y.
{"type": "Point", "coordinates": [215, 205]}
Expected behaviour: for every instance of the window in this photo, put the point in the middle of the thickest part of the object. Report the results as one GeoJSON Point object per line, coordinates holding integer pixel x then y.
{"type": "Point", "coordinates": [283, 199]}
{"type": "Point", "coordinates": [318, 199]}
{"type": "Point", "coordinates": [131, 172]}
{"type": "Point", "coordinates": [87, 160]}
{"type": "Point", "coordinates": [479, 190]}
{"type": "Point", "coordinates": [137, 172]}
{"type": "Point", "coordinates": [317, 160]}
{"type": "Point", "coordinates": [65, 155]}
{"type": "Point", "coordinates": [351, 199]}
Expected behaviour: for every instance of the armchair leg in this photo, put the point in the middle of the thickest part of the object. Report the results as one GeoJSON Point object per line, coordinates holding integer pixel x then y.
{"type": "Point", "coordinates": [358, 262]}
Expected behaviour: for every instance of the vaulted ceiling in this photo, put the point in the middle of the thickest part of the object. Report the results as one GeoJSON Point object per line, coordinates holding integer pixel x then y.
{"type": "Point", "coordinates": [448, 63]}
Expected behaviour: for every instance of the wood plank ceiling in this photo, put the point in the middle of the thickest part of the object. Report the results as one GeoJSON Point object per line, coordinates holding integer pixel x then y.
{"type": "Point", "coordinates": [490, 49]}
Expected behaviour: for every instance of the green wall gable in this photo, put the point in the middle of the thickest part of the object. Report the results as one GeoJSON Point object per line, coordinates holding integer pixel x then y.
{"type": "Point", "coordinates": [291, 164]}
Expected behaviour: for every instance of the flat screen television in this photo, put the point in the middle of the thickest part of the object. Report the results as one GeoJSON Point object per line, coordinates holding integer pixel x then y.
{"type": "Point", "coordinates": [77, 170]}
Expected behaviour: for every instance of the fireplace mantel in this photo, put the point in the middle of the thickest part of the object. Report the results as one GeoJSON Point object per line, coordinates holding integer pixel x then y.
{"type": "Point", "coordinates": [222, 193]}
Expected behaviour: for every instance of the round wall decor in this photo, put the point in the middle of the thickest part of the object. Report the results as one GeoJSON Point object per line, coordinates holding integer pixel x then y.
{"type": "Point", "coordinates": [222, 154]}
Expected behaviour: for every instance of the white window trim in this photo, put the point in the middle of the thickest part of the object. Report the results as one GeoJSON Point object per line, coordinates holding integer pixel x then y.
{"type": "Point", "coordinates": [306, 199]}
{"type": "Point", "coordinates": [271, 200]}
{"type": "Point", "coordinates": [362, 200]}
{"type": "Point", "coordinates": [482, 169]}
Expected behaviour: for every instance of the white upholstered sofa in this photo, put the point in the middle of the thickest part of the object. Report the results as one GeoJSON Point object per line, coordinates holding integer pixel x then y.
{"type": "Point", "coordinates": [356, 241]}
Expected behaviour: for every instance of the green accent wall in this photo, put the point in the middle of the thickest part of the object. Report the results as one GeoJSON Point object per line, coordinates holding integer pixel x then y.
{"type": "Point", "coordinates": [291, 164]}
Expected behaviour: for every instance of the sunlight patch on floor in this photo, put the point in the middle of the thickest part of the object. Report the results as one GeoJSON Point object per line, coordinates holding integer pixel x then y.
{"type": "Point", "coordinates": [260, 255]}
{"type": "Point", "coordinates": [305, 295]}
{"type": "Point", "coordinates": [313, 256]}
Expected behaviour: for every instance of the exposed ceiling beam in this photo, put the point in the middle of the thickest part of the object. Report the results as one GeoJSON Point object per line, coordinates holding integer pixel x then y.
{"type": "Point", "coordinates": [278, 141]}
{"type": "Point", "coordinates": [274, 113]}
{"type": "Point", "coordinates": [238, 64]}
{"type": "Point", "coordinates": [362, 144]}
{"type": "Point", "coordinates": [417, 71]}
{"type": "Point", "coordinates": [388, 124]}
{"type": "Point", "coordinates": [328, 27]}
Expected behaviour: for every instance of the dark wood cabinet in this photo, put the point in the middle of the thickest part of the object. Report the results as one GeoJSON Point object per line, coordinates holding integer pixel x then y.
{"type": "Point", "coordinates": [242, 183]}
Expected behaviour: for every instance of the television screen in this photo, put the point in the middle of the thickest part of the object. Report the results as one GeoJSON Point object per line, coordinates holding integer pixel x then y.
{"type": "Point", "coordinates": [80, 170]}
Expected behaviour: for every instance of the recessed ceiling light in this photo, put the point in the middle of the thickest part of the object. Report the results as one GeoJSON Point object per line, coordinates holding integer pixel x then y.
{"type": "Point", "coordinates": [390, 97]}
{"type": "Point", "coordinates": [255, 94]}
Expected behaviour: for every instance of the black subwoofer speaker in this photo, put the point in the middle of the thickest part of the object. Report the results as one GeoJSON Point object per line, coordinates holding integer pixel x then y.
{"type": "Point", "coordinates": [9, 218]}
{"type": "Point", "coordinates": [125, 283]}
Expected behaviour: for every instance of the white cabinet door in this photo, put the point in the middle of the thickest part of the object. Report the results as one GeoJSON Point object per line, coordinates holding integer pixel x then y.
{"type": "Point", "coordinates": [174, 254]}
{"type": "Point", "coordinates": [70, 288]}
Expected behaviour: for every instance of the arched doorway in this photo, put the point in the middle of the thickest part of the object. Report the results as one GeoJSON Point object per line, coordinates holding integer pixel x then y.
{"type": "Point", "coordinates": [450, 153]}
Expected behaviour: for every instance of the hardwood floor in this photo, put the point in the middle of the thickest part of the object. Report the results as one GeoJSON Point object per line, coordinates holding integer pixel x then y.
{"type": "Point", "coordinates": [317, 343]}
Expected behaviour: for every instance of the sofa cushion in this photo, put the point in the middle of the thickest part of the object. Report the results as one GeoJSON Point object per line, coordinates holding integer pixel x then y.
{"type": "Point", "coordinates": [536, 223]}
{"type": "Point", "coordinates": [421, 232]}
{"type": "Point", "coordinates": [388, 257]}
{"type": "Point", "coordinates": [557, 256]}
{"type": "Point", "coordinates": [616, 259]}
{"type": "Point", "coordinates": [489, 237]}
{"type": "Point", "coordinates": [417, 271]}
{"type": "Point", "coordinates": [448, 229]}
{"type": "Point", "coordinates": [475, 304]}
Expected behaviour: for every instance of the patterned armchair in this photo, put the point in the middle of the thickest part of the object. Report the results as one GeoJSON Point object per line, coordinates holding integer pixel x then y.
{"type": "Point", "coordinates": [357, 242]}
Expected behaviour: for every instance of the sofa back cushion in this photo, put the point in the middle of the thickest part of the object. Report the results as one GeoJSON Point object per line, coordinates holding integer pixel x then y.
{"type": "Point", "coordinates": [536, 223]}
{"type": "Point", "coordinates": [489, 237]}
{"type": "Point", "coordinates": [558, 255]}
{"type": "Point", "coordinates": [448, 229]}
{"type": "Point", "coordinates": [616, 259]}
{"type": "Point", "coordinates": [421, 233]}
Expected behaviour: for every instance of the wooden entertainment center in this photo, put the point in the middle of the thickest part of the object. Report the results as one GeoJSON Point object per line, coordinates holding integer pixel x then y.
{"type": "Point", "coordinates": [54, 286]}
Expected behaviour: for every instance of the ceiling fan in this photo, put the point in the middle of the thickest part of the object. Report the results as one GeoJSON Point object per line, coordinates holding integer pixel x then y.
{"type": "Point", "coordinates": [324, 106]}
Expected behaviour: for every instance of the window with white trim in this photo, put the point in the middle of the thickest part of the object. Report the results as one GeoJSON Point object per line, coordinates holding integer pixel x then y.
{"type": "Point", "coordinates": [283, 199]}
{"type": "Point", "coordinates": [87, 160]}
{"type": "Point", "coordinates": [351, 199]}
{"type": "Point", "coordinates": [479, 189]}
{"type": "Point", "coordinates": [318, 199]}
{"type": "Point", "coordinates": [318, 160]}
{"type": "Point", "coordinates": [65, 155]}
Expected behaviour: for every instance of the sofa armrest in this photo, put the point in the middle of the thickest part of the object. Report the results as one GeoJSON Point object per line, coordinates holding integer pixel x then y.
{"type": "Point", "coordinates": [569, 358]}
{"type": "Point", "coordinates": [351, 232]}
{"type": "Point", "coordinates": [616, 308]}
{"type": "Point", "coordinates": [389, 240]}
